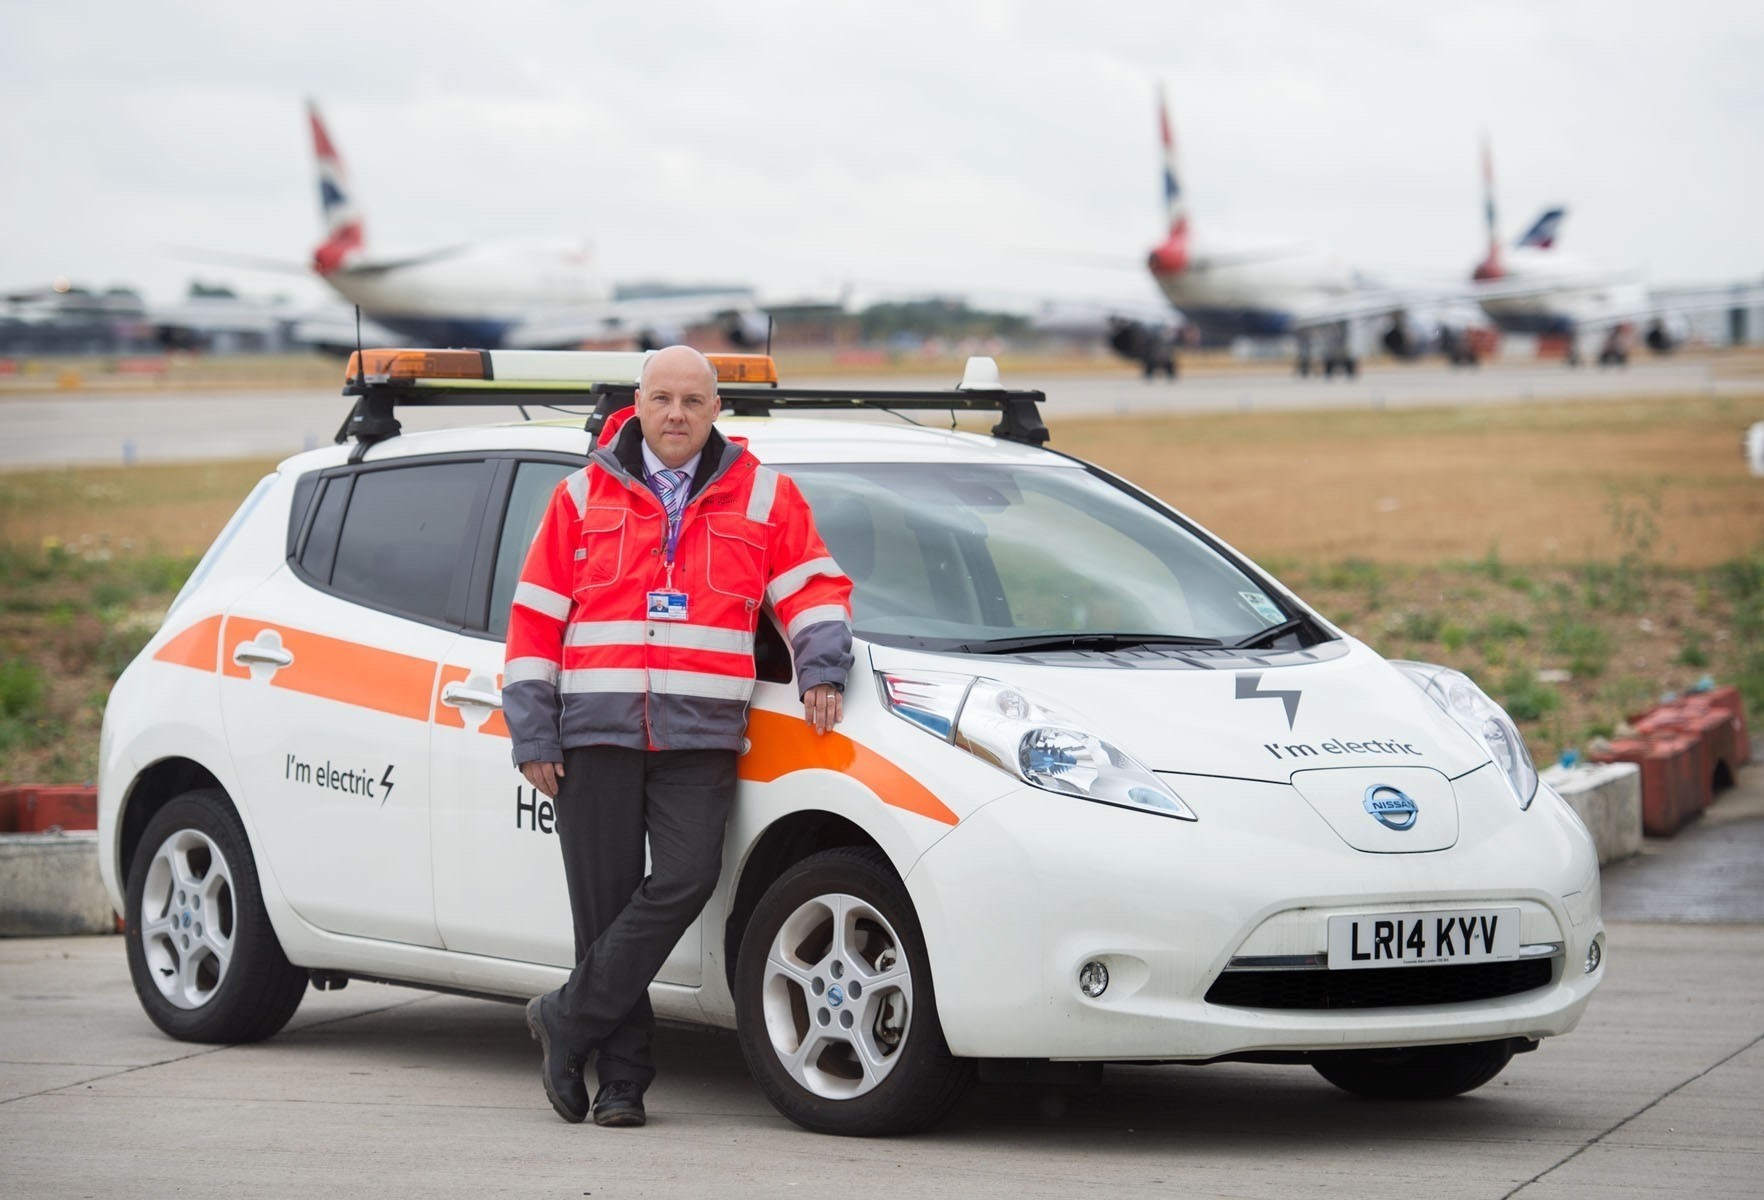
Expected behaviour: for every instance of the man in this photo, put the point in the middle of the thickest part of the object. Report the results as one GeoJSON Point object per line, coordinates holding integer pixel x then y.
{"type": "Point", "coordinates": [630, 664]}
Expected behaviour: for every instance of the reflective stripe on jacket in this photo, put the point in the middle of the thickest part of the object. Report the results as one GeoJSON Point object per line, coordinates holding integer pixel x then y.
{"type": "Point", "coordinates": [588, 665]}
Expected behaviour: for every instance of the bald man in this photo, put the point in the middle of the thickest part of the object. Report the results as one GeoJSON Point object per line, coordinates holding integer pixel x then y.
{"type": "Point", "coordinates": [630, 665]}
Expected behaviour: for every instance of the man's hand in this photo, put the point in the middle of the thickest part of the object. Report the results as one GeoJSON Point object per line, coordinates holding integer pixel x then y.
{"type": "Point", "coordinates": [543, 776]}
{"type": "Point", "coordinates": [822, 706]}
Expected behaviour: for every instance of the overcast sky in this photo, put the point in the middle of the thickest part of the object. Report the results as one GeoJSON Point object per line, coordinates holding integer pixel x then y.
{"type": "Point", "coordinates": [958, 145]}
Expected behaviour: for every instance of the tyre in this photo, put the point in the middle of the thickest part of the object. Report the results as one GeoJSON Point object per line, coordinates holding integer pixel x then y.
{"type": "Point", "coordinates": [1417, 1073]}
{"type": "Point", "coordinates": [205, 962]}
{"type": "Point", "coordinates": [834, 1003]}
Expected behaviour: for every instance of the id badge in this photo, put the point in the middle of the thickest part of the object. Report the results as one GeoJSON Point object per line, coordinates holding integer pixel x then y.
{"type": "Point", "coordinates": [667, 606]}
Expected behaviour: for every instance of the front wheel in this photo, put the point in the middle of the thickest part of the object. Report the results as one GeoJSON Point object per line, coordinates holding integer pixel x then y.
{"type": "Point", "coordinates": [834, 1004]}
{"type": "Point", "coordinates": [1416, 1073]}
{"type": "Point", "coordinates": [205, 962]}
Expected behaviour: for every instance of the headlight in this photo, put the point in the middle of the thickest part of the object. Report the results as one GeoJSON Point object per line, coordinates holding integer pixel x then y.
{"type": "Point", "coordinates": [1464, 702]}
{"type": "Point", "coordinates": [1026, 737]}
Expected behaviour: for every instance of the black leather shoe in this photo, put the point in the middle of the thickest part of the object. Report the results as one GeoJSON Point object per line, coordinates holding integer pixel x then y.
{"type": "Point", "coordinates": [559, 1069]}
{"type": "Point", "coordinates": [619, 1104]}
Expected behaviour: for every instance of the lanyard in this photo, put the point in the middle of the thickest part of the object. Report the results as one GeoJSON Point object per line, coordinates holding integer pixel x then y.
{"type": "Point", "coordinates": [673, 538]}
{"type": "Point", "coordinates": [674, 520]}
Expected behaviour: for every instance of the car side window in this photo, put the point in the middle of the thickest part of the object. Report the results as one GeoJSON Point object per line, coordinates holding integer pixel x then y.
{"type": "Point", "coordinates": [319, 554]}
{"type": "Point", "coordinates": [405, 534]}
{"type": "Point", "coordinates": [534, 483]}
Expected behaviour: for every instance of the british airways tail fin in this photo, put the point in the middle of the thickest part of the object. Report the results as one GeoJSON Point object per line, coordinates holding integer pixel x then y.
{"type": "Point", "coordinates": [1544, 231]}
{"type": "Point", "coordinates": [343, 229]}
{"type": "Point", "coordinates": [1491, 266]}
{"type": "Point", "coordinates": [1171, 257]}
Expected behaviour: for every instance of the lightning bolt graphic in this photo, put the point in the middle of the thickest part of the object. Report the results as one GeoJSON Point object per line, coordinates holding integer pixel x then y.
{"type": "Point", "coordinates": [387, 785]}
{"type": "Point", "coordinates": [1249, 687]}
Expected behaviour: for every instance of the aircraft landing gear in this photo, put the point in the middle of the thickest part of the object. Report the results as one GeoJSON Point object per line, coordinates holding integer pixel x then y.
{"type": "Point", "coordinates": [1348, 365]}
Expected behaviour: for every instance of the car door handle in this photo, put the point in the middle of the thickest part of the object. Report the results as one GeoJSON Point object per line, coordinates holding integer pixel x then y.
{"type": "Point", "coordinates": [456, 694]}
{"type": "Point", "coordinates": [246, 653]}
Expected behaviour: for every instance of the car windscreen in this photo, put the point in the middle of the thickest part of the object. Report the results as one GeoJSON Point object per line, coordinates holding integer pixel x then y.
{"type": "Point", "coordinates": [996, 557]}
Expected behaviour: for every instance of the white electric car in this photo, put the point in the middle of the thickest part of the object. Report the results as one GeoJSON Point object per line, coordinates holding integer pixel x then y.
{"type": "Point", "coordinates": [1105, 791]}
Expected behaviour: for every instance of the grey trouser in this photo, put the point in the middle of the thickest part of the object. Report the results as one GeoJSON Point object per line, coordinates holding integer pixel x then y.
{"type": "Point", "coordinates": [627, 924]}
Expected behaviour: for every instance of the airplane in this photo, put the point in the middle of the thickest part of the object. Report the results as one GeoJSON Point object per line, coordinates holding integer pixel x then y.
{"type": "Point", "coordinates": [512, 293]}
{"type": "Point", "coordinates": [1565, 296]}
{"type": "Point", "coordinates": [1271, 290]}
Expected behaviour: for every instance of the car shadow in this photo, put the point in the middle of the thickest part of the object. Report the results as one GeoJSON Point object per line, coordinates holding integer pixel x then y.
{"type": "Point", "coordinates": [1223, 1109]}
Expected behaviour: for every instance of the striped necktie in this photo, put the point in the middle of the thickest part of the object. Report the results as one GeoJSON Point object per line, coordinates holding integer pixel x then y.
{"type": "Point", "coordinates": [671, 487]}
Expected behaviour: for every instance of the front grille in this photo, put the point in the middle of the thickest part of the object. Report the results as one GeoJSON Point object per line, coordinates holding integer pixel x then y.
{"type": "Point", "coordinates": [1383, 987]}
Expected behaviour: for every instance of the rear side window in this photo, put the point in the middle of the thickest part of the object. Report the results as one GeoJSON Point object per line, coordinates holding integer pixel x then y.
{"type": "Point", "coordinates": [404, 535]}
{"type": "Point", "coordinates": [320, 552]}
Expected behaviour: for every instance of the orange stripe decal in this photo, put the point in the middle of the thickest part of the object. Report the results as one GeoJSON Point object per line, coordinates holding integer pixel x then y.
{"type": "Point", "coordinates": [334, 669]}
{"type": "Point", "coordinates": [449, 715]}
{"type": "Point", "coordinates": [783, 744]}
{"type": "Point", "coordinates": [198, 646]}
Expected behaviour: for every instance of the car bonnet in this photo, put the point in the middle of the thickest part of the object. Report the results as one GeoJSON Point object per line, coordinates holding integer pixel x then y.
{"type": "Point", "coordinates": [1354, 710]}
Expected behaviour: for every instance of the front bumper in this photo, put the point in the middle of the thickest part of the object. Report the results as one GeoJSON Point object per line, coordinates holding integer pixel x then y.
{"type": "Point", "coordinates": [1024, 892]}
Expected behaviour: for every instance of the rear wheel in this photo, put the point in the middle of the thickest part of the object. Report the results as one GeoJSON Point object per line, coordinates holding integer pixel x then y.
{"type": "Point", "coordinates": [1416, 1073]}
{"type": "Point", "coordinates": [834, 1003]}
{"type": "Point", "coordinates": [205, 962]}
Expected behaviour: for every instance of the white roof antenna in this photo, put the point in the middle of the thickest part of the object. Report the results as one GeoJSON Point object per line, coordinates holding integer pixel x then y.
{"type": "Point", "coordinates": [980, 375]}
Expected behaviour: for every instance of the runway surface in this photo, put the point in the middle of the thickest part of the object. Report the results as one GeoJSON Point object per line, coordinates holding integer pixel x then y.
{"type": "Point", "coordinates": [164, 426]}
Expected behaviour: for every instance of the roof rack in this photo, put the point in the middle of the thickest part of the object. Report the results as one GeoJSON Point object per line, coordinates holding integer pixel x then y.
{"type": "Point", "coordinates": [467, 378]}
{"type": "Point", "coordinates": [1020, 419]}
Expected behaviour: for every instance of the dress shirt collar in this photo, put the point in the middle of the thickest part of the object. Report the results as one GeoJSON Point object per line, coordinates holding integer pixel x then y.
{"type": "Point", "coordinates": [652, 464]}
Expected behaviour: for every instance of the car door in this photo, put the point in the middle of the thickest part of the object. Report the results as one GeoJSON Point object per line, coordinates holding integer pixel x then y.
{"type": "Point", "coordinates": [329, 674]}
{"type": "Point", "coordinates": [499, 880]}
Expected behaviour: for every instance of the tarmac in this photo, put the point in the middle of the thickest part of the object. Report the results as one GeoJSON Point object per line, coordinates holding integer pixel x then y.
{"type": "Point", "coordinates": [146, 425]}
{"type": "Point", "coordinates": [398, 1092]}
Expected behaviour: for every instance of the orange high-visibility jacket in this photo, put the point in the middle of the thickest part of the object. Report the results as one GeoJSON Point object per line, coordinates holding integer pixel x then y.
{"type": "Point", "coordinates": [586, 662]}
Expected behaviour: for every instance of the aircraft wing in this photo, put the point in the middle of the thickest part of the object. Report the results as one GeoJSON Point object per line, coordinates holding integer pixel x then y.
{"type": "Point", "coordinates": [379, 266]}
{"type": "Point", "coordinates": [651, 320]}
{"type": "Point", "coordinates": [197, 319]}
{"type": "Point", "coordinates": [1374, 302]}
{"type": "Point", "coordinates": [1678, 302]}
{"type": "Point", "coordinates": [1097, 318]}
{"type": "Point", "coordinates": [332, 328]}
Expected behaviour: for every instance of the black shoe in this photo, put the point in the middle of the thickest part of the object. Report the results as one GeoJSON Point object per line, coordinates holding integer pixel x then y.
{"type": "Point", "coordinates": [619, 1104]}
{"type": "Point", "coordinates": [560, 1070]}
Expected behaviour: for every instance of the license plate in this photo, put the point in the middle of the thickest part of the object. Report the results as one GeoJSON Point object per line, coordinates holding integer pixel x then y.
{"type": "Point", "coordinates": [1420, 939]}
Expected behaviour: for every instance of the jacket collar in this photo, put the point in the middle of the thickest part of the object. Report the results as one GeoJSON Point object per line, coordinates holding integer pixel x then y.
{"type": "Point", "coordinates": [624, 458]}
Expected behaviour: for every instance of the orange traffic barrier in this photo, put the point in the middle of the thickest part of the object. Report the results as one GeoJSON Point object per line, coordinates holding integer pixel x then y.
{"type": "Point", "coordinates": [32, 809]}
{"type": "Point", "coordinates": [1726, 699]}
{"type": "Point", "coordinates": [1716, 720]}
{"type": "Point", "coordinates": [1670, 794]}
{"type": "Point", "coordinates": [1707, 734]}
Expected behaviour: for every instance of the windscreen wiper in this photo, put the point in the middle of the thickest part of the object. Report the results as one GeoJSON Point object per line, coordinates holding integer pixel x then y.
{"type": "Point", "coordinates": [1263, 636]}
{"type": "Point", "coordinates": [1080, 641]}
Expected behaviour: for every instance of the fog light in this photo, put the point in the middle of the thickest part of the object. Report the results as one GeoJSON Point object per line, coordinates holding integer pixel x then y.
{"type": "Point", "coordinates": [1595, 954]}
{"type": "Point", "coordinates": [1093, 979]}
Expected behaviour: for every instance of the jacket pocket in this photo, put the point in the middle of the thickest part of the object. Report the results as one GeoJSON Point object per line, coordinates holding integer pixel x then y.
{"type": "Point", "coordinates": [736, 563]}
{"type": "Point", "coordinates": [601, 555]}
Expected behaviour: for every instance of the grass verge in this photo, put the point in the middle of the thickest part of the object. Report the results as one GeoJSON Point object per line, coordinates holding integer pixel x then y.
{"type": "Point", "coordinates": [1578, 560]}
